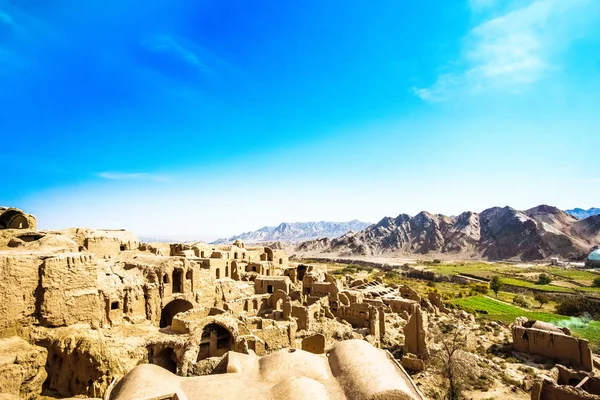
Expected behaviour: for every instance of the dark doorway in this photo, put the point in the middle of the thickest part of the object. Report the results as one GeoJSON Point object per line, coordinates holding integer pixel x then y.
{"type": "Point", "coordinates": [301, 271]}
{"type": "Point", "coordinates": [216, 341]}
{"type": "Point", "coordinates": [166, 358]}
{"type": "Point", "coordinates": [177, 281]}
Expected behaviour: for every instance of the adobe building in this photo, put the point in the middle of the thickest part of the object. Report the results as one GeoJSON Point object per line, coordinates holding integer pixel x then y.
{"type": "Point", "coordinates": [94, 303]}
{"type": "Point", "coordinates": [569, 385]}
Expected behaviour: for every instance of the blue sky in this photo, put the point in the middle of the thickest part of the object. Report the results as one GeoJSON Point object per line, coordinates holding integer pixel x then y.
{"type": "Point", "coordinates": [208, 118]}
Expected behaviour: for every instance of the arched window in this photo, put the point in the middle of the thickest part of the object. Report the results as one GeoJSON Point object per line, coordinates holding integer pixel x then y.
{"type": "Point", "coordinates": [218, 273]}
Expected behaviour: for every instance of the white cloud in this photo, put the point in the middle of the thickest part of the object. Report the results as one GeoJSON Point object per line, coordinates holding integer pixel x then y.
{"type": "Point", "coordinates": [135, 176]}
{"type": "Point", "coordinates": [511, 51]}
{"type": "Point", "coordinates": [180, 49]}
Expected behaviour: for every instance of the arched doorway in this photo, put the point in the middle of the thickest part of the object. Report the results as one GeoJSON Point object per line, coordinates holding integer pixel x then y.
{"type": "Point", "coordinates": [172, 309]}
{"type": "Point", "coordinates": [234, 270]}
{"type": "Point", "coordinates": [13, 219]}
{"type": "Point", "coordinates": [167, 359]}
{"type": "Point", "coordinates": [216, 340]}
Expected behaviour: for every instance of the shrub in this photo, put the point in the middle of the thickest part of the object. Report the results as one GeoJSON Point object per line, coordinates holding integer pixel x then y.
{"type": "Point", "coordinates": [431, 284]}
{"type": "Point", "coordinates": [574, 306]}
{"type": "Point", "coordinates": [520, 300]}
{"type": "Point", "coordinates": [392, 275]}
{"type": "Point", "coordinates": [480, 288]}
{"type": "Point", "coordinates": [544, 279]}
{"type": "Point", "coordinates": [541, 298]}
{"type": "Point", "coordinates": [596, 282]}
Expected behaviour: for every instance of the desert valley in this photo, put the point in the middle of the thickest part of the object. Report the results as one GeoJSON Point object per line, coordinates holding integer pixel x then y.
{"type": "Point", "coordinates": [501, 304]}
{"type": "Point", "coordinates": [300, 200]}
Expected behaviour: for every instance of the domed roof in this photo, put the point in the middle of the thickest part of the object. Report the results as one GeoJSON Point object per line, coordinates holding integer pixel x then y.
{"type": "Point", "coordinates": [594, 255]}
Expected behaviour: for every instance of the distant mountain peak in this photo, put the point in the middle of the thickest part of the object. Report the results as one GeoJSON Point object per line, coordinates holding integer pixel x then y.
{"type": "Point", "coordinates": [580, 213]}
{"type": "Point", "coordinates": [297, 231]}
{"type": "Point", "coordinates": [497, 233]}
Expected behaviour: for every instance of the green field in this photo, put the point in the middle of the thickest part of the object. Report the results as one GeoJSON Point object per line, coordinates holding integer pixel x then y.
{"type": "Point", "coordinates": [499, 311]}
{"type": "Point", "coordinates": [564, 280]}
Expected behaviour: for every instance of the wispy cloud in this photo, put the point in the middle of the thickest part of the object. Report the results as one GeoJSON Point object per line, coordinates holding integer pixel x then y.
{"type": "Point", "coordinates": [510, 51]}
{"type": "Point", "coordinates": [6, 19]}
{"type": "Point", "coordinates": [178, 48]}
{"type": "Point", "coordinates": [131, 176]}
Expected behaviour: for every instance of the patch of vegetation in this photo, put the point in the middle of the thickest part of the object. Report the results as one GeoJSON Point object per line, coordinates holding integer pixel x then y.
{"type": "Point", "coordinates": [576, 306]}
{"type": "Point", "coordinates": [520, 300]}
{"type": "Point", "coordinates": [526, 277]}
{"type": "Point", "coordinates": [496, 284]}
{"type": "Point", "coordinates": [544, 279]}
{"type": "Point", "coordinates": [353, 269]}
{"type": "Point", "coordinates": [541, 298]}
{"type": "Point", "coordinates": [506, 313]}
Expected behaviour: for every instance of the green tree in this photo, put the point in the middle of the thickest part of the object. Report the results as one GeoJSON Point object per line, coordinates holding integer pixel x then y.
{"type": "Point", "coordinates": [544, 279]}
{"type": "Point", "coordinates": [596, 282]}
{"type": "Point", "coordinates": [541, 298]}
{"type": "Point", "coordinates": [496, 284]}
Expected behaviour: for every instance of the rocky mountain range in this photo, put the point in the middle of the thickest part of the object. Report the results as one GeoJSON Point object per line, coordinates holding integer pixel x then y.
{"type": "Point", "coordinates": [297, 232]}
{"type": "Point", "coordinates": [580, 213]}
{"type": "Point", "coordinates": [495, 234]}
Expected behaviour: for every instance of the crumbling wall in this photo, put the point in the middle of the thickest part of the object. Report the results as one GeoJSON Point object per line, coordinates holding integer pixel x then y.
{"type": "Point", "coordinates": [415, 334]}
{"type": "Point", "coordinates": [548, 390]}
{"type": "Point", "coordinates": [399, 305]}
{"type": "Point", "coordinates": [436, 300]}
{"type": "Point", "coordinates": [69, 291]}
{"type": "Point", "coordinates": [568, 349]}
{"type": "Point", "coordinates": [264, 284]}
{"type": "Point", "coordinates": [84, 362]}
{"type": "Point", "coordinates": [19, 279]}
{"type": "Point", "coordinates": [358, 314]}
{"type": "Point", "coordinates": [22, 368]}
{"type": "Point", "coordinates": [409, 293]}
{"type": "Point", "coordinates": [314, 344]}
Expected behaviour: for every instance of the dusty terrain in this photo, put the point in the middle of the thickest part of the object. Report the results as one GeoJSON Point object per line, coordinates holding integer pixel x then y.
{"type": "Point", "coordinates": [94, 313]}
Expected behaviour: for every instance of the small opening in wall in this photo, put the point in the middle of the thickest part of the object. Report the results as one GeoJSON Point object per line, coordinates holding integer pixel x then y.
{"type": "Point", "coordinates": [114, 305]}
{"type": "Point", "coordinates": [123, 248]}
